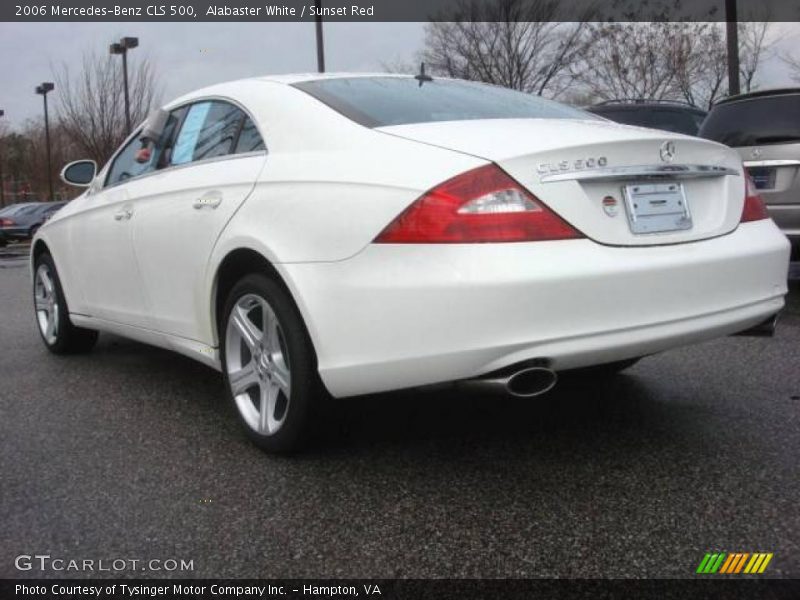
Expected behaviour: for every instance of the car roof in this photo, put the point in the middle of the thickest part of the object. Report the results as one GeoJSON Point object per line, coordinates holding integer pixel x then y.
{"type": "Point", "coordinates": [292, 78]}
{"type": "Point", "coordinates": [287, 79]}
{"type": "Point", "coordinates": [759, 94]}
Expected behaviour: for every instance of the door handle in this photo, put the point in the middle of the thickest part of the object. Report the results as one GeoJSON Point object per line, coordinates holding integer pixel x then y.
{"type": "Point", "coordinates": [124, 214]}
{"type": "Point", "coordinates": [210, 199]}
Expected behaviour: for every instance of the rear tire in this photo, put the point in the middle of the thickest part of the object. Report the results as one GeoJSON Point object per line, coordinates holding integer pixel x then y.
{"type": "Point", "coordinates": [58, 333]}
{"type": "Point", "coordinates": [269, 365]}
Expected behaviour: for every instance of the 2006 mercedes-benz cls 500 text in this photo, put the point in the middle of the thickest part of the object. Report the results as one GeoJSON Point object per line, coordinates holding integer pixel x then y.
{"type": "Point", "coordinates": [314, 236]}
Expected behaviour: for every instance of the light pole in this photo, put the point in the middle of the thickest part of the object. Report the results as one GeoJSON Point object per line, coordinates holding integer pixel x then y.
{"type": "Point", "coordinates": [43, 89]}
{"type": "Point", "coordinates": [320, 45]}
{"type": "Point", "coordinates": [2, 188]}
{"type": "Point", "coordinates": [732, 31]}
{"type": "Point", "coordinates": [125, 44]}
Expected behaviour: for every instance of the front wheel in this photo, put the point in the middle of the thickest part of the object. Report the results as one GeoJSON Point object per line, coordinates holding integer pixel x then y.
{"type": "Point", "coordinates": [52, 314]}
{"type": "Point", "coordinates": [269, 364]}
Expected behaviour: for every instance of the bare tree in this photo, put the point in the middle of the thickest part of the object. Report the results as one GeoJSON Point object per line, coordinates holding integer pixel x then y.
{"type": "Point", "coordinates": [793, 62]}
{"type": "Point", "coordinates": [514, 43]}
{"type": "Point", "coordinates": [667, 60]}
{"type": "Point", "coordinates": [632, 60]}
{"type": "Point", "coordinates": [701, 64]}
{"type": "Point", "coordinates": [92, 107]}
{"type": "Point", "coordinates": [753, 48]}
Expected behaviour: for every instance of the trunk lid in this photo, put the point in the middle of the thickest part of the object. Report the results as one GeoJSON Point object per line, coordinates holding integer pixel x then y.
{"type": "Point", "coordinates": [574, 166]}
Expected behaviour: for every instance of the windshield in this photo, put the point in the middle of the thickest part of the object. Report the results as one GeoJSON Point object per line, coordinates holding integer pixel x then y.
{"type": "Point", "coordinates": [384, 101]}
{"type": "Point", "coordinates": [755, 122]}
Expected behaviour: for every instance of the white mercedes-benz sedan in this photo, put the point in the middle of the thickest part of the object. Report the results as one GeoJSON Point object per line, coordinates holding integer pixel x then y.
{"type": "Point", "coordinates": [335, 235]}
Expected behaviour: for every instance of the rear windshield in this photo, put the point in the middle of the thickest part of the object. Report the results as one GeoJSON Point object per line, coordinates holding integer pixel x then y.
{"type": "Point", "coordinates": [383, 101]}
{"type": "Point", "coordinates": [667, 119]}
{"type": "Point", "coordinates": [756, 122]}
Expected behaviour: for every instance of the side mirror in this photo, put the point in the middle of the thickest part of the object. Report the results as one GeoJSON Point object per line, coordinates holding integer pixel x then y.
{"type": "Point", "coordinates": [79, 173]}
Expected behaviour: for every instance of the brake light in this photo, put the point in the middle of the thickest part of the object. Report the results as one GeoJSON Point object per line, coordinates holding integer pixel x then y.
{"type": "Point", "coordinates": [754, 208]}
{"type": "Point", "coordinates": [482, 205]}
{"type": "Point", "coordinates": [6, 222]}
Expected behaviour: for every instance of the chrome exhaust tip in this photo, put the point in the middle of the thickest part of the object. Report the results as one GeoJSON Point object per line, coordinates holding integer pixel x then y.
{"type": "Point", "coordinates": [519, 381]}
{"type": "Point", "coordinates": [531, 382]}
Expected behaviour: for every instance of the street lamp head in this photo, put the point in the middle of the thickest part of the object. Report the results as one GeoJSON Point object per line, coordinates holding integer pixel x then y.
{"type": "Point", "coordinates": [125, 44]}
{"type": "Point", "coordinates": [45, 87]}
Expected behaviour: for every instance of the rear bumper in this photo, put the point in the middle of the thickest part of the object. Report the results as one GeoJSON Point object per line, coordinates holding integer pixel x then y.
{"type": "Point", "coordinates": [397, 316]}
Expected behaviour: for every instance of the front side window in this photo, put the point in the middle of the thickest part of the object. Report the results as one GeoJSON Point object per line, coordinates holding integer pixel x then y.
{"type": "Point", "coordinates": [126, 165]}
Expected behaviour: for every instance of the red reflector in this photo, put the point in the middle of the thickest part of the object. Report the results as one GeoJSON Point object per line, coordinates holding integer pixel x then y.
{"type": "Point", "coordinates": [482, 205]}
{"type": "Point", "coordinates": [754, 208]}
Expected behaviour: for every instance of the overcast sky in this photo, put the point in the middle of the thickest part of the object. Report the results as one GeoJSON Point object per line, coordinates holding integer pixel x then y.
{"type": "Point", "coordinates": [192, 55]}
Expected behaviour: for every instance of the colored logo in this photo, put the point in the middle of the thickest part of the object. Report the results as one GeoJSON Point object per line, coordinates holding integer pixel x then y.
{"type": "Point", "coordinates": [734, 563]}
{"type": "Point", "coordinates": [611, 206]}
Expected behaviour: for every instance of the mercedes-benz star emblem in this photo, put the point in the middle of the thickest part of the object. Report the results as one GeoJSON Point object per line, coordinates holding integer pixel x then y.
{"type": "Point", "coordinates": [667, 151]}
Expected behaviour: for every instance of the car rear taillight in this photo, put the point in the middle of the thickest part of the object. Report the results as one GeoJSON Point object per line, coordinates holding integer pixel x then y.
{"type": "Point", "coordinates": [482, 205]}
{"type": "Point", "coordinates": [754, 208]}
{"type": "Point", "coordinates": [6, 222]}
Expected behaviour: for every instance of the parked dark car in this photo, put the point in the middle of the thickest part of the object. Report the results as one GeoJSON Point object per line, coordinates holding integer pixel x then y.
{"type": "Point", "coordinates": [16, 207]}
{"type": "Point", "coordinates": [23, 222]}
{"type": "Point", "coordinates": [764, 127]}
{"type": "Point", "coordinates": [656, 114]}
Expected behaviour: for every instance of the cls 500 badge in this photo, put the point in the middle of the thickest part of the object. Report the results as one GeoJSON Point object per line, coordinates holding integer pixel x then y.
{"type": "Point", "coordinates": [172, 10]}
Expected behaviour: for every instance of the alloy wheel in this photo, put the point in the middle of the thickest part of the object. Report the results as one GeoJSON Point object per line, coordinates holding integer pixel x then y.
{"type": "Point", "coordinates": [46, 303]}
{"type": "Point", "coordinates": [257, 364]}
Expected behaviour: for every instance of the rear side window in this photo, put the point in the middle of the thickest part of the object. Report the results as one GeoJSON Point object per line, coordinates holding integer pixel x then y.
{"type": "Point", "coordinates": [383, 101]}
{"type": "Point", "coordinates": [209, 129]}
{"type": "Point", "coordinates": [249, 139]}
{"type": "Point", "coordinates": [214, 128]}
{"type": "Point", "coordinates": [755, 122]}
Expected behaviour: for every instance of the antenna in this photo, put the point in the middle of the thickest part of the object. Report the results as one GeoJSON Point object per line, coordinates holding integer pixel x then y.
{"type": "Point", "coordinates": [422, 77]}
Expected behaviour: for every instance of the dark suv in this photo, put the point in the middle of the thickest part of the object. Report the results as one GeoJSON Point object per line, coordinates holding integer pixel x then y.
{"type": "Point", "coordinates": [656, 114]}
{"type": "Point", "coordinates": [764, 127]}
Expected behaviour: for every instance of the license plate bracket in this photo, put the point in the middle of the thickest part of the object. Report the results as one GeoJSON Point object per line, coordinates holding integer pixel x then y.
{"type": "Point", "coordinates": [657, 207]}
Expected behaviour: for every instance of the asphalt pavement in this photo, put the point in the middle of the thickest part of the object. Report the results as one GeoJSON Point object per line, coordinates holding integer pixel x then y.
{"type": "Point", "coordinates": [131, 452]}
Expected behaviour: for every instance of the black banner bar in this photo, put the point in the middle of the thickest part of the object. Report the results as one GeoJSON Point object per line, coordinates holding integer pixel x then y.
{"type": "Point", "coordinates": [727, 588]}
{"type": "Point", "coordinates": [390, 10]}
